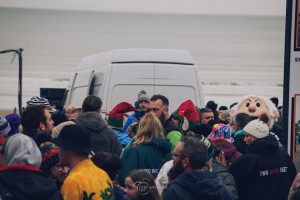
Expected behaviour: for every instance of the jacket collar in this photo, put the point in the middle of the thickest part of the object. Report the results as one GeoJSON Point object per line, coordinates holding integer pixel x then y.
{"type": "Point", "coordinates": [19, 167]}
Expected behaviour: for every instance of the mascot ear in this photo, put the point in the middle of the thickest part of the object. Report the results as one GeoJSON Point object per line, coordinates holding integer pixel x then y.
{"type": "Point", "coordinates": [233, 111]}
{"type": "Point", "coordinates": [275, 114]}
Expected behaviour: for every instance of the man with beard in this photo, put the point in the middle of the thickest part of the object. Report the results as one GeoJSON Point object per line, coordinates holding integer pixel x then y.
{"type": "Point", "coordinates": [189, 157]}
{"type": "Point", "coordinates": [142, 105]}
{"type": "Point", "coordinates": [37, 123]}
{"type": "Point", "coordinates": [159, 105]}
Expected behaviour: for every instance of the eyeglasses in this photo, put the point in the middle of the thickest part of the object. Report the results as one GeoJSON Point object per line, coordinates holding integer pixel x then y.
{"type": "Point", "coordinates": [61, 167]}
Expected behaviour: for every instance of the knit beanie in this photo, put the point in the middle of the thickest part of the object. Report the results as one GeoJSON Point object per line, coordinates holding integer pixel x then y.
{"type": "Point", "coordinates": [115, 117]}
{"type": "Point", "coordinates": [49, 155]}
{"type": "Point", "coordinates": [14, 121]}
{"type": "Point", "coordinates": [41, 101]}
{"type": "Point", "coordinates": [188, 116]}
{"type": "Point", "coordinates": [143, 97]}
{"type": "Point", "coordinates": [220, 131]}
{"type": "Point", "coordinates": [258, 128]}
{"type": "Point", "coordinates": [4, 126]}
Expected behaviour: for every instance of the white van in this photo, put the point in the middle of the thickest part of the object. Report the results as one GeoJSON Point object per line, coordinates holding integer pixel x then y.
{"type": "Point", "coordinates": [120, 75]}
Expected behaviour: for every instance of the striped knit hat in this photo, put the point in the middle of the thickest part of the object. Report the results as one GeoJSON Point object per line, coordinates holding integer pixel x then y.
{"type": "Point", "coordinates": [41, 101]}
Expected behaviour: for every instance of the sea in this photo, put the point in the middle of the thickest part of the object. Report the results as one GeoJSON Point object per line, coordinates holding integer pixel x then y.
{"type": "Point", "coordinates": [235, 55]}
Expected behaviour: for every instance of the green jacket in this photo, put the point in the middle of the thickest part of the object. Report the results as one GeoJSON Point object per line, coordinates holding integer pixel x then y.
{"type": "Point", "coordinates": [149, 156]}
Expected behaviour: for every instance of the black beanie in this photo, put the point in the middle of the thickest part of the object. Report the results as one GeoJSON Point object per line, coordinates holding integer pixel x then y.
{"type": "Point", "coordinates": [212, 105]}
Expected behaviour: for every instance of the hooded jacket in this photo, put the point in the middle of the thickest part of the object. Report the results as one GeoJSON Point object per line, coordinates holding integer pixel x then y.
{"type": "Point", "coordinates": [149, 156]}
{"type": "Point", "coordinates": [26, 183]}
{"type": "Point", "coordinates": [20, 175]}
{"type": "Point", "coordinates": [197, 185]}
{"type": "Point", "coordinates": [21, 149]}
{"type": "Point", "coordinates": [102, 137]}
{"type": "Point", "coordinates": [264, 172]}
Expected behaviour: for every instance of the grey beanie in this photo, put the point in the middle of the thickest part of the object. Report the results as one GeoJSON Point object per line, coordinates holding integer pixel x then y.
{"type": "Point", "coordinates": [143, 97]}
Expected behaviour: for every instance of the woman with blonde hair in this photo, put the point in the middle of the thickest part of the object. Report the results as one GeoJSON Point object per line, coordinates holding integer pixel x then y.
{"type": "Point", "coordinates": [149, 150]}
{"type": "Point", "coordinates": [68, 110]}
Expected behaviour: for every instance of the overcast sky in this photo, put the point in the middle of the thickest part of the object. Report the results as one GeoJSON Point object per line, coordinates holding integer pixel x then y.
{"type": "Point", "coordinates": [231, 7]}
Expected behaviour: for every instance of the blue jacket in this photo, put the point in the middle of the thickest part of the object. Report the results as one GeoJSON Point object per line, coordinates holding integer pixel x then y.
{"type": "Point", "coordinates": [123, 137]}
{"type": "Point", "coordinates": [137, 116]}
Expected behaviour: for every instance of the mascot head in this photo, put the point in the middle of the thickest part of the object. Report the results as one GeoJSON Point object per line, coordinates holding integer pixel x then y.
{"type": "Point", "coordinates": [254, 106]}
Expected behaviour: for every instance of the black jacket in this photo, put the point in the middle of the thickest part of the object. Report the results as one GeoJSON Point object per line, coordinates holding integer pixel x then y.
{"type": "Point", "coordinates": [170, 126]}
{"type": "Point", "coordinates": [28, 183]}
{"type": "Point", "coordinates": [38, 136]}
{"type": "Point", "coordinates": [197, 185]}
{"type": "Point", "coordinates": [265, 172]}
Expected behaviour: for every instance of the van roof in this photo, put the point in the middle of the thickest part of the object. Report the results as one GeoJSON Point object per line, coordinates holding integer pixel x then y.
{"type": "Point", "coordinates": [138, 56]}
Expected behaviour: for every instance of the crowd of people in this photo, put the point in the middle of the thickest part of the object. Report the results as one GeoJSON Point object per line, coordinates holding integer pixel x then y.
{"type": "Point", "coordinates": [145, 151]}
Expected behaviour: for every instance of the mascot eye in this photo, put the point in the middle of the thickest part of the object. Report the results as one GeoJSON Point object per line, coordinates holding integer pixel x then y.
{"type": "Point", "coordinates": [247, 104]}
{"type": "Point", "coordinates": [258, 104]}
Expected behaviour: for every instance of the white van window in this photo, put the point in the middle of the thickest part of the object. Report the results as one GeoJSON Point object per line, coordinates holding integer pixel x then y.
{"type": "Point", "coordinates": [95, 90]}
{"type": "Point", "coordinates": [96, 84]}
